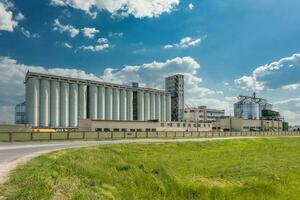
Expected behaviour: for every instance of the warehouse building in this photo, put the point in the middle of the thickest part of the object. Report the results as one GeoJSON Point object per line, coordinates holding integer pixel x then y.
{"type": "Point", "coordinates": [139, 126]}
{"type": "Point", "coordinates": [240, 124]}
{"type": "Point", "coordinates": [203, 114]}
{"type": "Point", "coordinates": [56, 101]}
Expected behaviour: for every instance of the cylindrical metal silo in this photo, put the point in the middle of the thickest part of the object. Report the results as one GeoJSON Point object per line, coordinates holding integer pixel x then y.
{"type": "Point", "coordinates": [163, 108]}
{"type": "Point", "coordinates": [73, 105]}
{"type": "Point", "coordinates": [32, 101]}
{"type": "Point", "coordinates": [123, 104]}
{"type": "Point", "coordinates": [82, 100]}
{"type": "Point", "coordinates": [64, 104]}
{"type": "Point", "coordinates": [140, 105]}
{"type": "Point", "coordinates": [93, 101]}
{"type": "Point", "coordinates": [108, 102]}
{"type": "Point", "coordinates": [147, 106]}
{"type": "Point", "coordinates": [158, 106]}
{"type": "Point", "coordinates": [129, 105]}
{"type": "Point", "coordinates": [54, 103]}
{"type": "Point", "coordinates": [101, 102]}
{"type": "Point", "coordinates": [168, 107]}
{"type": "Point", "coordinates": [44, 103]}
{"type": "Point", "coordinates": [116, 104]}
{"type": "Point", "coordinates": [152, 106]}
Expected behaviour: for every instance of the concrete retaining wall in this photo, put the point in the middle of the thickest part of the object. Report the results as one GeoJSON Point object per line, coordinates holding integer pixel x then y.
{"type": "Point", "coordinates": [82, 135]}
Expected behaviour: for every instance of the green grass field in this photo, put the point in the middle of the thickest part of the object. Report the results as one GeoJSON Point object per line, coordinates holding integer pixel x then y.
{"type": "Point", "coordinates": [231, 169]}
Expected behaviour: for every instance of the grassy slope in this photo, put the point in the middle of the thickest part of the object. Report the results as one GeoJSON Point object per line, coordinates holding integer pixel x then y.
{"type": "Point", "coordinates": [237, 169]}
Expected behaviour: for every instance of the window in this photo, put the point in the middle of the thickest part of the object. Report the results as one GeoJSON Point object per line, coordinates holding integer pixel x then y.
{"type": "Point", "coordinates": [106, 129]}
{"type": "Point", "coordinates": [116, 130]}
{"type": "Point", "coordinates": [178, 124]}
{"type": "Point", "coordinates": [189, 125]}
{"type": "Point", "coordinates": [194, 125]}
{"type": "Point", "coordinates": [99, 129]}
{"type": "Point", "coordinates": [162, 124]}
{"type": "Point", "coordinates": [183, 124]}
{"type": "Point", "coordinates": [123, 129]}
{"type": "Point", "coordinates": [132, 130]}
{"type": "Point", "coordinates": [153, 130]}
{"type": "Point", "coordinates": [139, 130]}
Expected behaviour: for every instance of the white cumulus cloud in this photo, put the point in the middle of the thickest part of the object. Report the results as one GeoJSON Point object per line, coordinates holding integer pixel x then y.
{"type": "Point", "coordinates": [57, 26]}
{"type": "Point", "coordinates": [191, 6]}
{"type": "Point", "coordinates": [279, 74]}
{"type": "Point", "coordinates": [27, 33]}
{"type": "Point", "coordinates": [123, 8]}
{"type": "Point", "coordinates": [89, 32]}
{"type": "Point", "coordinates": [184, 43]}
{"type": "Point", "coordinates": [7, 23]}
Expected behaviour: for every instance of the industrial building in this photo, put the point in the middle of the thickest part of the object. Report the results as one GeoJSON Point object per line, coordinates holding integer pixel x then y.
{"type": "Point", "coordinates": [239, 124]}
{"type": "Point", "coordinates": [250, 107]}
{"type": "Point", "coordinates": [175, 85]}
{"type": "Point", "coordinates": [59, 102]}
{"type": "Point", "coordinates": [202, 114]}
{"type": "Point", "coordinates": [139, 126]}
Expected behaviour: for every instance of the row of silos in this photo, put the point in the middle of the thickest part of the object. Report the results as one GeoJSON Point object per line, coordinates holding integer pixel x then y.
{"type": "Point", "coordinates": [51, 103]}
{"type": "Point", "coordinates": [110, 103]}
{"type": "Point", "coordinates": [54, 102]}
{"type": "Point", "coordinates": [153, 106]}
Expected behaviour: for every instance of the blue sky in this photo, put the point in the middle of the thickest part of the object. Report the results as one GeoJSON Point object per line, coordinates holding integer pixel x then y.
{"type": "Point", "coordinates": [225, 48]}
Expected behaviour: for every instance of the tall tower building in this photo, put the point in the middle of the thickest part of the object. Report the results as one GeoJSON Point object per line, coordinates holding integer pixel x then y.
{"type": "Point", "coordinates": [175, 85]}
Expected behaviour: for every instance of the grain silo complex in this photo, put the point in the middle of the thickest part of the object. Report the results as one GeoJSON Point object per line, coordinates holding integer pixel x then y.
{"type": "Point", "coordinates": [59, 102]}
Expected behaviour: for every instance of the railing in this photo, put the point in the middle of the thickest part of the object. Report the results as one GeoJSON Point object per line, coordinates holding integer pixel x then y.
{"type": "Point", "coordinates": [87, 135]}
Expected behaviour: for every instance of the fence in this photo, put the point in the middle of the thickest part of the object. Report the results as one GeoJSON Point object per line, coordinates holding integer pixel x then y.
{"type": "Point", "coordinates": [33, 136]}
